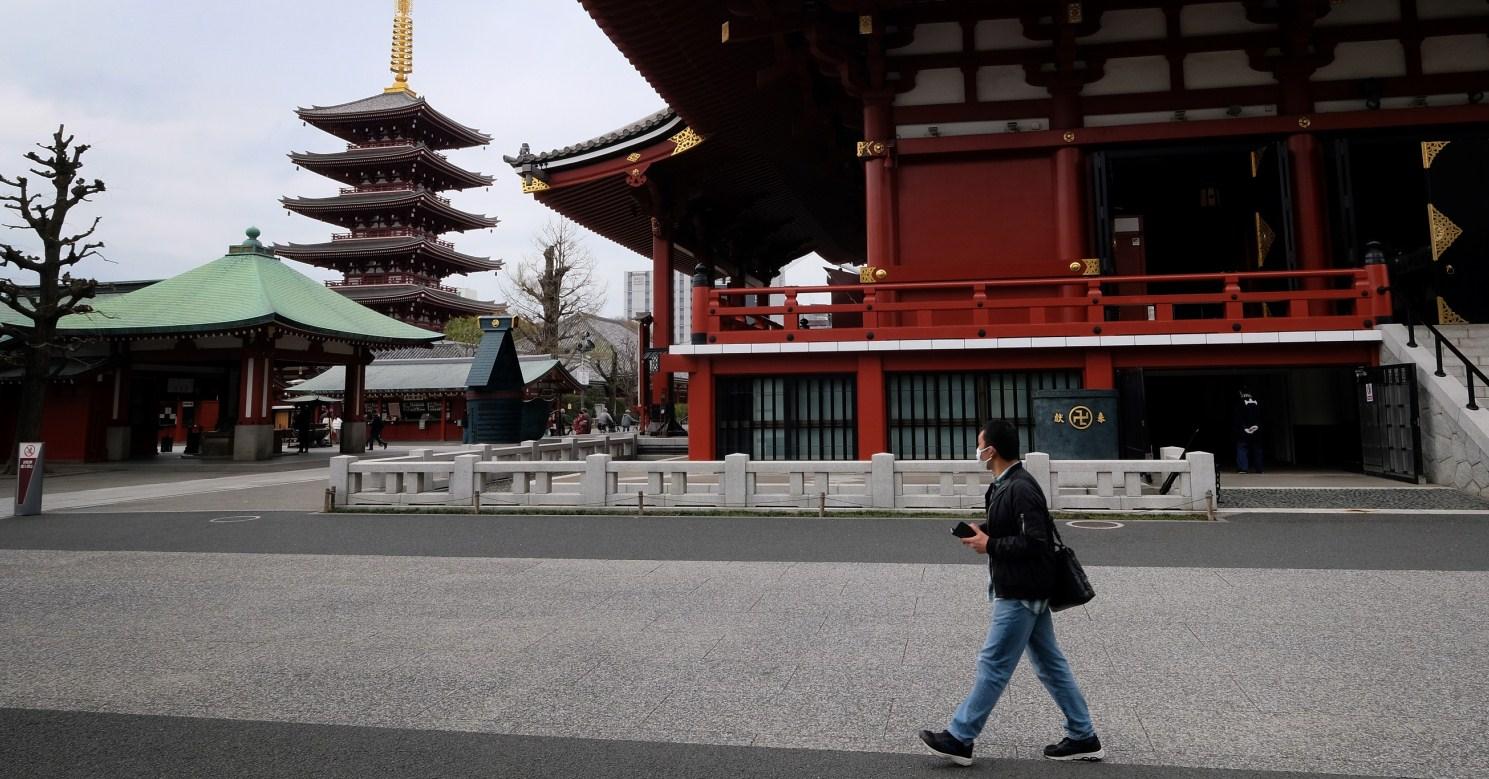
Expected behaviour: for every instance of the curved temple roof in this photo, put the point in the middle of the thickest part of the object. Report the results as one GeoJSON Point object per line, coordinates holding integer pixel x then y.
{"type": "Point", "coordinates": [653, 126]}
{"type": "Point", "coordinates": [247, 287]}
{"type": "Point", "coordinates": [354, 248]}
{"type": "Point", "coordinates": [418, 154]}
{"type": "Point", "coordinates": [391, 105]}
{"type": "Point", "coordinates": [370, 201]}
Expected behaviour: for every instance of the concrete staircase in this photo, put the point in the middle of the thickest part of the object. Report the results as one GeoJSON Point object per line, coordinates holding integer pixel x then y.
{"type": "Point", "coordinates": [1472, 340]}
{"type": "Point", "coordinates": [1455, 439]}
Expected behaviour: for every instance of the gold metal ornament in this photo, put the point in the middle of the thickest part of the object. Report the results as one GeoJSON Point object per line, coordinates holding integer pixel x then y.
{"type": "Point", "coordinates": [1091, 266]}
{"type": "Point", "coordinates": [633, 156]}
{"type": "Point", "coordinates": [1446, 315]}
{"type": "Point", "coordinates": [402, 60]}
{"type": "Point", "coordinates": [531, 183]}
{"type": "Point", "coordinates": [1443, 231]}
{"type": "Point", "coordinates": [1304, 122]}
{"type": "Point", "coordinates": [869, 274]}
{"type": "Point", "coordinates": [1069, 136]}
{"type": "Point", "coordinates": [872, 149]}
{"type": "Point", "coordinates": [1265, 238]}
{"type": "Point", "coordinates": [1075, 267]}
{"type": "Point", "coordinates": [1080, 417]}
{"type": "Point", "coordinates": [1430, 150]}
{"type": "Point", "coordinates": [685, 140]}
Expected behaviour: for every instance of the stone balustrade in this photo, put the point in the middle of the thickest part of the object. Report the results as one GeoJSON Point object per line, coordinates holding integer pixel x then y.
{"type": "Point", "coordinates": [533, 474]}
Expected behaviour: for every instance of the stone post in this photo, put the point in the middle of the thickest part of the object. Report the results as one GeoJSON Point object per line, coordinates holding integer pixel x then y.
{"type": "Point", "coordinates": [734, 481]}
{"type": "Point", "coordinates": [1202, 479]}
{"type": "Point", "coordinates": [592, 485]}
{"type": "Point", "coordinates": [463, 479]}
{"type": "Point", "coordinates": [1038, 466]}
{"type": "Point", "coordinates": [341, 480]}
{"type": "Point", "coordinates": [881, 481]}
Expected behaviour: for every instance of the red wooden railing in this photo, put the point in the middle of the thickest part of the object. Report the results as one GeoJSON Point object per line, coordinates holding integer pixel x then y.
{"type": "Point", "coordinates": [1274, 301]}
{"type": "Point", "coordinates": [396, 232]}
{"type": "Point", "coordinates": [394, 187]}
{"type": "Point", "coordinates": [394, 278]}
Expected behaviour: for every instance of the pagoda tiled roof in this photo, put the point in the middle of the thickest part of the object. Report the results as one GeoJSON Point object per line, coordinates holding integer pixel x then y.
{"type": "Point", "coordinates": [373, 294]}
{"type": "Point", "coordinates": [246, 288]}
{"type": "Point", "coordinates": [643, 130]}
{"type": "Point", "coordinates": [393, 105]}
{"type": "Point", "coordinates": [362, 247]}
{"type": "Point", "coordinates": [354, 202]}
{"type": "Point", "coordinates": [371, 155]}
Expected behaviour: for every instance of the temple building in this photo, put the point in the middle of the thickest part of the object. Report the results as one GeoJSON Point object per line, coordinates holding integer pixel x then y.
{"type": "Point", "coordinates": [198, 354]}
{"type": "Point", "coordinates": [1158, 201]}
{"type": "Point", "coordinates": [392, 172]}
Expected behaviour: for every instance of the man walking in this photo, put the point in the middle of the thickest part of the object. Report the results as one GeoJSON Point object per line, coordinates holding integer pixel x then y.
{"type": "Point", "coordinates": [1016, 539]}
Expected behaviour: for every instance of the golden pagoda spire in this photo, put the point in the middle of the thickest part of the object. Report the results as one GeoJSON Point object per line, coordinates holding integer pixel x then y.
{"type": "Point", "coordinates": [402, 62]}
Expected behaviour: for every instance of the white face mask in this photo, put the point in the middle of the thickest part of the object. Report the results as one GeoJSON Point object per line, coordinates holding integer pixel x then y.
{"type": "Point", "coordinates": [988, 463]}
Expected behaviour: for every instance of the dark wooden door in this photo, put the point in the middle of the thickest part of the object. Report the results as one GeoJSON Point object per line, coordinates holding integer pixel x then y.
{"type": "Point", "coordinates": [1390, 439]}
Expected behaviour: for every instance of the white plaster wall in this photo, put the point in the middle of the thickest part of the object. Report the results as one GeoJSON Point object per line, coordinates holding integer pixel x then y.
{"type": "Point", "coordinates": [1455, 440]}
{"type": "Point", "coordinates": [1364, 59]}
{"type": "Point", "coordinates": [1218, 69]}
{"type": "Point", "coordinates": [1006, 82]}
{"type": "Point", "coordinates": [1361, 12]}
{"type": "Point", "coordinates": [1138, 24]}
{"type": "Point", "coordinates": [1444, 9]}
{"type": "Point", "coordinates": [1215, 18]}
{"type": "Point", "coordinates": [990, 34]}
{"type": "Point", "coordinates": [934, 38]}
{"type": "Point", "coordinates": [1455, 54]}
{"type": "Point", "coordinates": [1129, 75]}
{"type": "Point", "coordinates": [934, 87]}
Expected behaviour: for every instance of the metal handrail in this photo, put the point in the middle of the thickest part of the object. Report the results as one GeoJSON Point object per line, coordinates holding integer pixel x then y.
{"type": "Point", "coordinates": [1469, 369]}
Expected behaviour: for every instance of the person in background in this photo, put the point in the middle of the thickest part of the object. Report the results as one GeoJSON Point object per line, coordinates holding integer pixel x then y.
{"type": "Point", "coordinates": [604, 421]}
{"type": "Point", "coordinates": [1021, 578]}
{"type": "Point", "coordinates": [335, 429]}
{"type": "Point", "coordinates": [581, 423]}
{"type": "Point", "coordinates": [302, 429]}
{"type": "Point", "coordinates": [626, 420]}
{"type": "Point", "coordinates": [375, 431]}
{"type": "Point", "coordinates": [1248, 433]}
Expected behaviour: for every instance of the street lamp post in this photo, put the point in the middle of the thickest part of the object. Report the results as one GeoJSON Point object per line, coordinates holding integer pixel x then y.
{"type": "Point", "coordinates": [581, 350]}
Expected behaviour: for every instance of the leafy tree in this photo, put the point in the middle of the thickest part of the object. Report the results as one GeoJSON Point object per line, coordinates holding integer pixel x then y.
{"type": "Point", "coordinates": [56, 292]}
{"type": "Point", "coordinates": [553, 293]}
{"type": "Point", "coordinates": [465, 329]}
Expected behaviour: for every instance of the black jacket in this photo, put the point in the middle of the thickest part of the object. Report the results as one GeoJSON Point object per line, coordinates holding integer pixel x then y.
{"type": "Point", "coordinates": [1020, 555]}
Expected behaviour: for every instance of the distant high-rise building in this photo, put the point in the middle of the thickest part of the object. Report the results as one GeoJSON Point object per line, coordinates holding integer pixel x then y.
{"type": "Point", "coordinates": [638, 300]}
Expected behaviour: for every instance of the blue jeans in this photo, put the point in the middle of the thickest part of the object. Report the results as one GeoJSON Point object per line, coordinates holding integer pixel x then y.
{"type": "Point", "coordinates": [1015, 627]}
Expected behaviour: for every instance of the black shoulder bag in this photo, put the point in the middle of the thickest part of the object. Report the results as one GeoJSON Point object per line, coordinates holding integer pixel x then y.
{"type": "Point", "coordinates": [1072, 588]}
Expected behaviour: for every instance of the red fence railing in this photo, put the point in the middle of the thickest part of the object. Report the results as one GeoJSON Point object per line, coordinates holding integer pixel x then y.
{"type": "Point", "coordinates": [1272, 301]}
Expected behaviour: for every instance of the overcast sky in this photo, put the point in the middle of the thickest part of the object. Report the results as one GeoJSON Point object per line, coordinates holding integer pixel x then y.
{"type": "Point", "coordinates": [189, 108]}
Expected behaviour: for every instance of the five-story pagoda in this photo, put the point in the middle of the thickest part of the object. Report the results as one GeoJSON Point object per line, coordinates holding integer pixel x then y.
{"type": "Point", "coordinates": [392, 257]}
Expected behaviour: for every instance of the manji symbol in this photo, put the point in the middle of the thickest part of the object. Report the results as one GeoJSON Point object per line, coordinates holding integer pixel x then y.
{"type": "Point", "coordinates": [1081, 417]}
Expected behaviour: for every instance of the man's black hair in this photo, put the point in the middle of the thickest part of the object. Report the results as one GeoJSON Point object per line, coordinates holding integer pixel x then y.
{"type": "Point", "coordinates": [1003, 436]}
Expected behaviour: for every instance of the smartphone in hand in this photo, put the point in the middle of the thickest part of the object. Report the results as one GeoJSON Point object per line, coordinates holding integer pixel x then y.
{"type": "Point", "coordinates": [963, 530]}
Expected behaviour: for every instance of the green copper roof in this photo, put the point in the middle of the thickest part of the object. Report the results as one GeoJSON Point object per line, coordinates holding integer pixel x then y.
{"type": "Point", "coordinates": [245, 288]}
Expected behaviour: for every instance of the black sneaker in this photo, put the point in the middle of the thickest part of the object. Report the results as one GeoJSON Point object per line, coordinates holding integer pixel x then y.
{"type": "Point", "coordinates": [1070, 749]}
{"type": "Point", "coordinates": [948, 746]}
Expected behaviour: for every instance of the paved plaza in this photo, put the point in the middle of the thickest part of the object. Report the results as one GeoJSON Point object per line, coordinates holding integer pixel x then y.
{"type": "Point", "coordinates": [778, 647]}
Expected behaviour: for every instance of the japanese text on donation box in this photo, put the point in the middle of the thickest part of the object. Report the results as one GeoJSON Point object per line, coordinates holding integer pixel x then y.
{"type": "Point", "coordinates": [1075, 424]}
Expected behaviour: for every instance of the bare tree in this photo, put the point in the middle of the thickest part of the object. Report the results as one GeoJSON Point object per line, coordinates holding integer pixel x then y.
{"type": "Point", "coordinates": [554, 291]}
{"type": "Point", "coordinates": [615, 364]}
{"type": "Point", "coordinates": [56, 293]}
